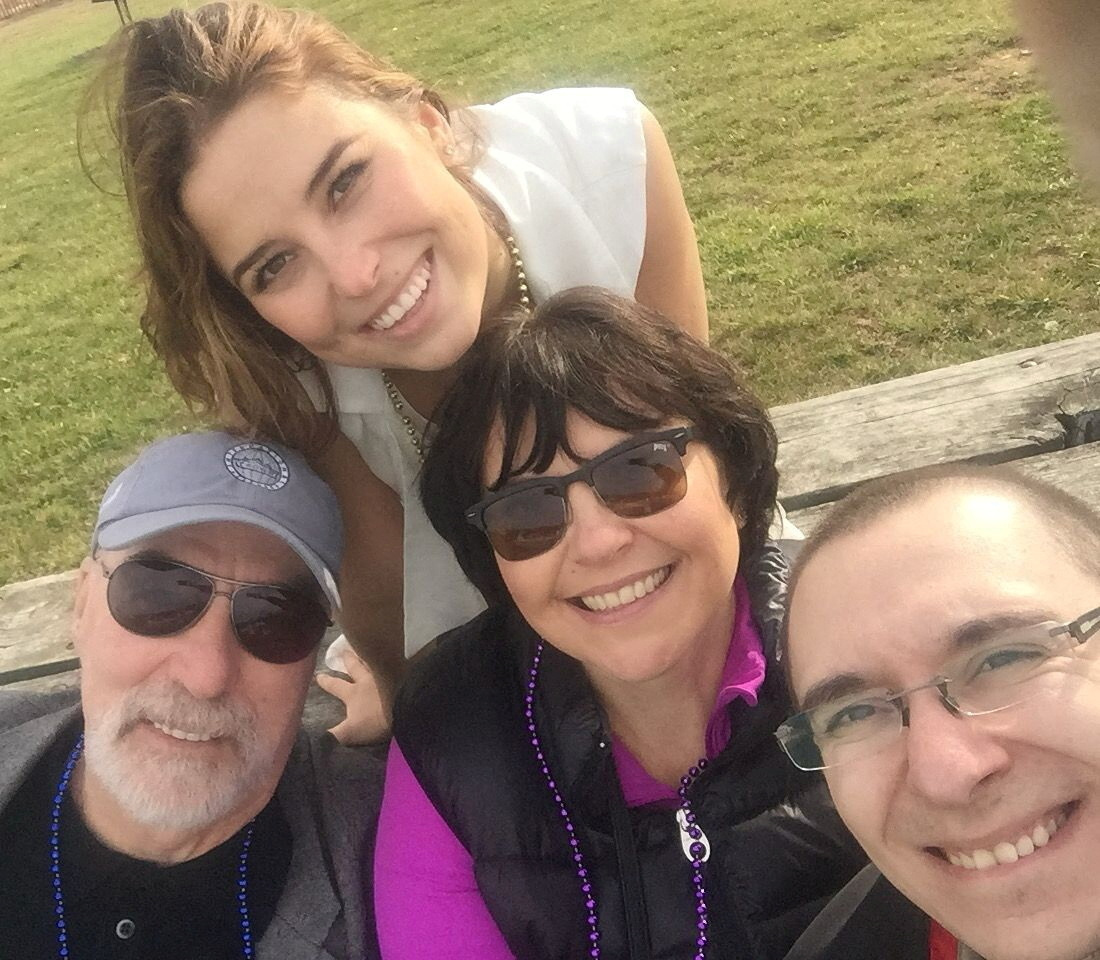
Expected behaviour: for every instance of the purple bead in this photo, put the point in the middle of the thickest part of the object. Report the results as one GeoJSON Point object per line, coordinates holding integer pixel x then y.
{"type": "Point", "coordinates": [695, 833]}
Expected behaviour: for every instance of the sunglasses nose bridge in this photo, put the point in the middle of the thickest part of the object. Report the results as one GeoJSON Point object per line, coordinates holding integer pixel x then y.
{"type": "Point", "coordinates": [208, 662]}
{"type": "Point", "coordinates": [596, 529]}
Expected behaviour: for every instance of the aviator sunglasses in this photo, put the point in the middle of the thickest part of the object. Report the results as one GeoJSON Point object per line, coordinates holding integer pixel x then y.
{"type": "Point", "coordinates": [156, 597]}
{"type": "Point", "coordinates": [636, 478]}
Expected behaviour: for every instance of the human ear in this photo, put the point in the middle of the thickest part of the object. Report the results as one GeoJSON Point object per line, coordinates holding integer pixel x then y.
{"type": "Point", "coordinates": [80, 599]}
{"type": "Point", "coordinates": [438, 130]}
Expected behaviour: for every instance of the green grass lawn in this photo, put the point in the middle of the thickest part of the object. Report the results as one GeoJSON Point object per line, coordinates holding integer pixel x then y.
{"type": "Point", "coordinates": [879, 188]}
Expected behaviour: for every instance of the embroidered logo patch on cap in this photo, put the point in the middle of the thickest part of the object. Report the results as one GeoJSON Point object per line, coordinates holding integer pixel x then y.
{"type": "Point", "coordinates": [257, 463]}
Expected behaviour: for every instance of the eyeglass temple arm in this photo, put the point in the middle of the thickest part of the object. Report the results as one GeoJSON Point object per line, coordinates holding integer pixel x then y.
{"type": "Point", "coordinates": [1084, 626]}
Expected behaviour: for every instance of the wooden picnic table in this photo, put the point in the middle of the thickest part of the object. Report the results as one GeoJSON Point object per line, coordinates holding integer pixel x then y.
{"type": "Point", "coordinates": [1037, 408]}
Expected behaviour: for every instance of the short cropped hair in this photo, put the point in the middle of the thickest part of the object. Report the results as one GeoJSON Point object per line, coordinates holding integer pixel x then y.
{"type": "Point", "coordinates": [1072, 523]}
{"type": "Point", "coordinates": [618, 363]}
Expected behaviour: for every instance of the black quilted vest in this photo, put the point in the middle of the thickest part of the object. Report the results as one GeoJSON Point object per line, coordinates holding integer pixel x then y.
{"type": "Point", "coordinates": [459, 722]}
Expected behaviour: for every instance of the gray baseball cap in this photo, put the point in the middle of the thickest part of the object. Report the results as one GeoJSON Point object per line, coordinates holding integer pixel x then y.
{"type": "Point", "coordinates": [202, 477]}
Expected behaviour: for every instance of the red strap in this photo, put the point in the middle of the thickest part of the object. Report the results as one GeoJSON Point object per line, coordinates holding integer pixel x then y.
{"type": "Point", "coordinates": [941, 945]}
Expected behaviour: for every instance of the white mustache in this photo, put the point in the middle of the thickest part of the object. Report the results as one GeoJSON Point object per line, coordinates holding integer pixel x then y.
{"type": "Point", "coordinates": [170, 705]}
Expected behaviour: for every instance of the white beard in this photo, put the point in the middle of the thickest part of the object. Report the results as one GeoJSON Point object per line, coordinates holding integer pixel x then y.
{"type": "Point", "coordinates": [167, 788]}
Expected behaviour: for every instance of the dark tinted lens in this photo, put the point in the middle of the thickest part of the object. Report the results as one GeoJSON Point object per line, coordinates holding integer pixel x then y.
{"type": "Point", "coordinates": [278, 625]}
{"type": "Point", "coordinates": [156, 598]}
{"type": "Point", "coordinates": [642, 481]}
{"type": "Point", "coordinates": [525, 524]}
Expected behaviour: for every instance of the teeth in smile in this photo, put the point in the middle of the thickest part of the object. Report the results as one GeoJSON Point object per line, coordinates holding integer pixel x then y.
{"type": "Point", "coordinates": [1007, 851]}
{"type": "Point", "coordinates": [628, 594]}
{"type": "Point", "coordinates": [404, 301]}
{"type": "Point", "coordinates": [182, 734]}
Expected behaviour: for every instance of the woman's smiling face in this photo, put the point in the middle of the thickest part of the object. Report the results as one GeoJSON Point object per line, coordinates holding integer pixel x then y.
{"type": "Point", "coordinates": [341, 223]}
{"type": "Point", "coordinates": [684, 558]}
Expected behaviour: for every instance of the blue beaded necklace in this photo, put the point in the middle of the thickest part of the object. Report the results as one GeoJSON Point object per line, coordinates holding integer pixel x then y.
{"type": "Point", "coordinates": [693, 840]}
{"type": "Point", "coordinates": [248, 950]}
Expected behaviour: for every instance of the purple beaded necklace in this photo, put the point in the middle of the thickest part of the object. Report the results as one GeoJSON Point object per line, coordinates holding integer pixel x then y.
{"type": "Point", "coordinates": [693, 840]}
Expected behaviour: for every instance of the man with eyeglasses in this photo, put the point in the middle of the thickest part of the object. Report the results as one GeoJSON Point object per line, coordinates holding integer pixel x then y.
{"type": "Point", "coordinates": [941, 644]}
{"type": "Point", "coordinates": [179, 810]}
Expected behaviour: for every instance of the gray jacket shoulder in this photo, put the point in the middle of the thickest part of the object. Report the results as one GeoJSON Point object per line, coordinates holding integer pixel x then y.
{"type": "Point", "coordinates": [20, 706]}
{"type": "Point", "coordinates": [330, 795]}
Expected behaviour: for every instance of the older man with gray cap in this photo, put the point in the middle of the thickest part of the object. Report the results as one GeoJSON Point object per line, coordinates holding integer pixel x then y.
{"type": "Point", "coordinates": [178, 810]}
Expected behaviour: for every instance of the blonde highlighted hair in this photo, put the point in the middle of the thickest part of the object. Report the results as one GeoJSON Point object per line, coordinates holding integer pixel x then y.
{"type": "Point", "coordinates": [167, 83]}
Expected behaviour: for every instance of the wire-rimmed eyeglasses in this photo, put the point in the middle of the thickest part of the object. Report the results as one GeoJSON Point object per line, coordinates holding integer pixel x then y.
{"type": "Point", "coordinates": [994, 676]}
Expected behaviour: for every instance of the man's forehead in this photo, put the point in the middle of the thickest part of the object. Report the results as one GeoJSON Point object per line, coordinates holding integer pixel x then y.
{"type": "Point", "coordinates": [946, 535]}
{"type": "Point", "coordinates": [913, 587]}
{"type": "Point", "coordinates": [218, 544]}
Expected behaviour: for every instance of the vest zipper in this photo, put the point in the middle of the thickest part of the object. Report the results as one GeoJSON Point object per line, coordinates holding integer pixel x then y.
{"type": "Point", "coordinates": [630, 878]}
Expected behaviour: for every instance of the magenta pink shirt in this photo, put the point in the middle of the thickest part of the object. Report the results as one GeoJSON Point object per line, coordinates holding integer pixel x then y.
{"type": "Point", "coordinates": [426, 899]}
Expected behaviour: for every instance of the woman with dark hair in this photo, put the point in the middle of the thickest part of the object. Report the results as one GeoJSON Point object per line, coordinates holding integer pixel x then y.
{"type": "Point", "coordinates": [588, 769]}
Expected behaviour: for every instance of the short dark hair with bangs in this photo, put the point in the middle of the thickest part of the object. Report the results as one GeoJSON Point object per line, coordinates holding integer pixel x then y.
{"type": "Point", "coordinates": [618, 363]}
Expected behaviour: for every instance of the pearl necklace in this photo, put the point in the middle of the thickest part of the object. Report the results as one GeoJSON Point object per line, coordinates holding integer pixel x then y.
{"type": "Point", "coordinates": [416, 438]}
{"type": "Point", "coordinates": [695, 844]}
{"type": "Point", "coordinates": [247, 948]}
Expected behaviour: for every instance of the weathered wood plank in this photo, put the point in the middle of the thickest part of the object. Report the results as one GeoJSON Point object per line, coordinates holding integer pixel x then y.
{"type": "Point", "coordinates": [992, 410]}
{"type": "Point", "coordinates": [1076, 471]}
{"type": "Point", "coordinates": [36, 628]}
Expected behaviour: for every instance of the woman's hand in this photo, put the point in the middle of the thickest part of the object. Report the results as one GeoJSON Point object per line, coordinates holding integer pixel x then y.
{"type": "Point", "coordinates": [367, 715]}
